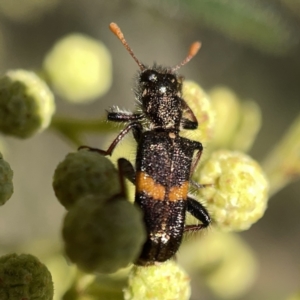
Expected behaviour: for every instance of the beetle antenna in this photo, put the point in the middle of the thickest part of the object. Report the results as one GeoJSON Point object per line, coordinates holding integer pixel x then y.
{"type": "Point", "coordinates": [192, 52]}
{"type": "Point", "coordinates": [117, 31]}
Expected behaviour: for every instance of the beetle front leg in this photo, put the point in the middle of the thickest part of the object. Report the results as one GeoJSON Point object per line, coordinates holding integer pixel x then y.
{"type": "Point", "coordinates": [135, 126]}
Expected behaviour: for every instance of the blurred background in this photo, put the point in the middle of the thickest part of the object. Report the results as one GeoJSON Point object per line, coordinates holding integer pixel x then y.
{"type": "Point", "coordinates": [252, 47]}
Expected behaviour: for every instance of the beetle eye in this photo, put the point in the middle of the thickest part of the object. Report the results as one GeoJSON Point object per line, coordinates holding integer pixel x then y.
{"type": "Point", "coordinates": [148, 76]}
{"type": "Point", "coordinates": [152, 77]}
{"type": "Point", "coordinates": [171, 79]}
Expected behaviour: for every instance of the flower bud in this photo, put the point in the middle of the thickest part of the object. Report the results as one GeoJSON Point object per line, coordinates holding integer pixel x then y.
{"type": "Point", "coordinates": [162, 281]}
{"type": "Point", "coordinates": [103, 237]}
{"type": "Point", "coordinates": [24, 277]}
{"type": "Point", "coordinates": [6, 183]}
{"type": "Point", "coordinates": [84, 173]}
{"type": "Point", "coordinates": [237, 122]}
{"type": "Point", "coordinates": [200, 105]}
{"type": "Point", "coordinates": [79, 68]}
{"type": "Point", "coordinates": [26, 104]}
{"type": "Point", "coordinates": [239, 192]}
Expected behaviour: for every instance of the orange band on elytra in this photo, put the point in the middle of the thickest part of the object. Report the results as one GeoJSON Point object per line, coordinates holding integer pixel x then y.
{"type": "Point", "coordinates": [144, 183]}
{"type": "Point", "coordinates": [179, 192]}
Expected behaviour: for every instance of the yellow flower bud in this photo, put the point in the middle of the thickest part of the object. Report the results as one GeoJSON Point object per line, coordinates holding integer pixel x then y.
{"type": "Point", "coordinates": [164, 281]}
{"type": "Point", "coordinates": [200, 104]}
{"type": "Point", "coordinates": [227, 109]}
{"type": "Point", "coordinates": [237, 123]}
{"type": "Point", "coordinates": [239, 192]}
{"type": "Point", "coordinates": [79, 68]}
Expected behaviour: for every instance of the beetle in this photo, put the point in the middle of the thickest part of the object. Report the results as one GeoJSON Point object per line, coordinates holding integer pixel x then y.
{"type": "Point", "coordinates": [165, 161]}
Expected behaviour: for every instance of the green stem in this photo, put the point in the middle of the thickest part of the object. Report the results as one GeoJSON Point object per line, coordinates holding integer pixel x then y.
{"type": "Point", "coordinates": [282, 164]}
{"type": "Point", "coordinates": [73, 128]}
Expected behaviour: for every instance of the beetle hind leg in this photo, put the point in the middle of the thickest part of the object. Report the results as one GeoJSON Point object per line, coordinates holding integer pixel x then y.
{"type": "Point", "coordinates": [197, 210]}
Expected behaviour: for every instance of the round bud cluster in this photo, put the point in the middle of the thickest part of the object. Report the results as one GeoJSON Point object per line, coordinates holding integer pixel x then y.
{"type": "Point", "coordinates": [84, 173]}
{"type": "Point", "coordinates": [6, 183]}
{"type": "Point", "coordinates": [226, 105]}
{"type": "Point", "coordinates": [103, 236]}
{"type": "Point", "coordinates": [199, 102]}
{"type": "Point", "coordinates": [242, 120]}
{"type": "Point", "coordinates": [79, 68]}
{"type": "Point", "coordinates": [161, 281]}
{"type": "Point", "coordinates": [26, 104]}
{"type": "Point", "coordinates": [239, 192]}
{"type": "Point", "coordinates": [24, 277]}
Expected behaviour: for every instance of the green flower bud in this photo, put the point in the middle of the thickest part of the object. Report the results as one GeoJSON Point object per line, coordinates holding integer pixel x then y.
{"type": "Point", "coordinates": [199, 103]}
{"type": "Point", "coordinates": [239, 192]}
{"type": "Point", "coordinates": [26, 104]}
{"type": "Point", "coordinates": [24, 277]}
{"type": "Point", "coordinates": [166, 281]}
{"type": "Point", "coordinates": [6, 184]}
{"type": "Point", "coordinates": [103, 237]}
{"type": "Point", "coordinates": [79, 68]}
{"type": "Point", "coordinates": [84, 173]}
